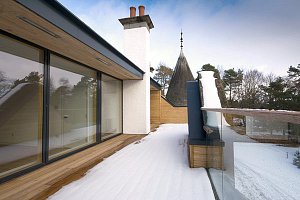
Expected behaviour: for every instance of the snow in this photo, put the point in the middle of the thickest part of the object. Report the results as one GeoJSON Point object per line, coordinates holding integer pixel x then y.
{"type": "Point", "coordinates": [266, 171]}
{"type": "Point", "coordinates": [252, 170]}
{"type": "Point", "coordinates": [156, 167]}
{"type": "Point", "coordinates": [210, 92]}
{"type": "Point", "coordinates": [255, 170]}
{"type": "Point", "coordinates": [211, 99]}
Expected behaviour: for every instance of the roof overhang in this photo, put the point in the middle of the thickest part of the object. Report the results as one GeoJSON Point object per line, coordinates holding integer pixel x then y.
{"type": "Point", "coordinates": [50, 25]}
{"type": "Point", "coordinates": [154, 85]}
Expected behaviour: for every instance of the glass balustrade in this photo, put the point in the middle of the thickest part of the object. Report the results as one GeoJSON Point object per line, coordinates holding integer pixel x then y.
{"type": "Point", "coordinates": [259, 153]}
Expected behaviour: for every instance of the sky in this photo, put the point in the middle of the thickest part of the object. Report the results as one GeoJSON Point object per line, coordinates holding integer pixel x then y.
{"type": "Point", "coordinates": [247, 34]}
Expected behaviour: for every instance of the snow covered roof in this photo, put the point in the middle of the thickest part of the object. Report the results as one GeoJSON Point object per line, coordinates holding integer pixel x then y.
{"type": "Point", "coordinates": [177, 89]}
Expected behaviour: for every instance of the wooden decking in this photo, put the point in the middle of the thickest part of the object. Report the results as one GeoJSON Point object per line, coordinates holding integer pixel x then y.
{"type": "Point", "coordinates": [45, 181]}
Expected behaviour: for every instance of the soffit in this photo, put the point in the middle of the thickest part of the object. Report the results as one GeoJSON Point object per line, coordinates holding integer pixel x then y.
{"type": "Point", "coordinates": [14, 19]}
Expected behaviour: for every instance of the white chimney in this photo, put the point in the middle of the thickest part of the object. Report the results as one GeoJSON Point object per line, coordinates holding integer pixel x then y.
{"type": "Point", "coordinates": [136, 93]}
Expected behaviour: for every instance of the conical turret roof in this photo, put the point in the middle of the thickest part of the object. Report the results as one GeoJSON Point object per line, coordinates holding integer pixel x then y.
{"type": "Point", "coordinates": [177, 94]}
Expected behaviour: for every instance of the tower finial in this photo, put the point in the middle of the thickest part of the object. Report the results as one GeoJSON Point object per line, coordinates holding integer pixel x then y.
{"type": "Point", "coordinates": [181, 40]}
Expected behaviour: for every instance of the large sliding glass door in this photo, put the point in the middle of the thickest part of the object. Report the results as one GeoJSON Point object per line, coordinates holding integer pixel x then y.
{"type": "Point", "coordinates": [111, 113]}
{"type": "Point", "coordinates": [72, 109]}
{"type": "Point", "coordinates": [51, 106]}
{"type": "Point", "coordinates": [21, 105]}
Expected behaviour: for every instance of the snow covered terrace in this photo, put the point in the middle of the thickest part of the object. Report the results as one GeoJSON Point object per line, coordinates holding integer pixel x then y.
{"type": "Point", "coordinates": [156, 167]}
{"type": "Point", "coordinates": [258, 162]}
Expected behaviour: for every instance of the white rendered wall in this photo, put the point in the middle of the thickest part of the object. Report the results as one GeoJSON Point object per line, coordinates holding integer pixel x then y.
{"type": "Point", "coordinates": [136, 93]}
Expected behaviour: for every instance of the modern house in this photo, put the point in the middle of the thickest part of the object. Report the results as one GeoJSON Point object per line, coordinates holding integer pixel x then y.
{"type": "Point", "coordinates": [67, 97]}
{"type": "Point", "coordinates": [63, 88]}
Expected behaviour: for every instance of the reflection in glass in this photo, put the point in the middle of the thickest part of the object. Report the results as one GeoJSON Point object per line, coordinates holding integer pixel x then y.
{"type": "Point", "coordinates": [21, 105]}
{"type": "Point", "coordinates": [261, 157]}
{"type": "Point", "coordinates": [72, 110]}
{"type": "Point", "coordinates": [111, 106]}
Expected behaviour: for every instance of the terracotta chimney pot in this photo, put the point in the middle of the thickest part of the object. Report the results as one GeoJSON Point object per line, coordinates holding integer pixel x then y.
{"type": "Point", "coordinates": [141, 10]}
{"type": "Point", "coordinates": [132, 11]}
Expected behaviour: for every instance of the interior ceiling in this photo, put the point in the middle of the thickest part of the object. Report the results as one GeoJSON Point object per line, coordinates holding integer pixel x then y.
{"type": "Point", "coordinates": [13, 17]}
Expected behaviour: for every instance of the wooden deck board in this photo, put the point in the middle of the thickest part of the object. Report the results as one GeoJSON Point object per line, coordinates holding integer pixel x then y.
{"type": "Point", "coordinates": [45, 181]}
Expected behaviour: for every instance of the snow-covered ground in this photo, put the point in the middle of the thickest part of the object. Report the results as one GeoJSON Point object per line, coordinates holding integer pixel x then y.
{"type": "Point", "coordinates": [154, 168]}
{"type": "Point", "coordinates": [266, 171]}
{"type": "Point", "coordinates": [255, 170]}
{"type": "Point", "coordinates": [252, 170]}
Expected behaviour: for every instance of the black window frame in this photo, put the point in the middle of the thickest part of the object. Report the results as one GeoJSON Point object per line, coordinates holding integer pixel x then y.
{"type": "Point", "coordinates": [46, 96]}
{"type": "Point", "coordinates": [116, 134]}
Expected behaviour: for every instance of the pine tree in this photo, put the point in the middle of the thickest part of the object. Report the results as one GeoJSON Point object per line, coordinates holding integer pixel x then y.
{"type": "Point", "coordinates": [277, 94]}
{"type": "Point", "coordinates": [294, 86]}
{"type": "Point", "coordinates": [294, 75]}
{"type": "Point", "coordinates": [233, 80]}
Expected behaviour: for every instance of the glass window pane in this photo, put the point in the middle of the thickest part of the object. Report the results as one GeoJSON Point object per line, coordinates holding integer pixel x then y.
{"type": "Point", "coordinates": [21, 105]}
{"type": "Point", "coordinates": [72, 110]}
{"type": "Point", "coordinates": [111, 106]}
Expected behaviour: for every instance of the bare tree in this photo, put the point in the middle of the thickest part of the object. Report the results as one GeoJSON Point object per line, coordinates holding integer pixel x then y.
{"type": "Point", "coordinates": [269, 78]}
{"type": "Point", "coordinates": [3, 85]}
{"type": "Point", "coordinates": [252, 81]}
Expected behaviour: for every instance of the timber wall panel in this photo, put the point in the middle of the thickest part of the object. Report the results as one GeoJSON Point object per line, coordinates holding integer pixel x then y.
{"type": "Point", "coordinates": [206, 156]}
{"type": "Point", "coordinates": [170, 114]}
{"type": "Point", "coordinates": [155, 107]}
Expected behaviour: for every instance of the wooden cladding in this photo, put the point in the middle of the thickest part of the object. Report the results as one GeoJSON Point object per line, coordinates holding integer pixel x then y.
{"type": "Point", "coordinates": [155, 106]}
{"type": "Point", "coordinates": [170, 114]}
{"type": "Point", "coordinates": [163, 112]}
{"type": "Point", "coordinates": [206, 156]}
